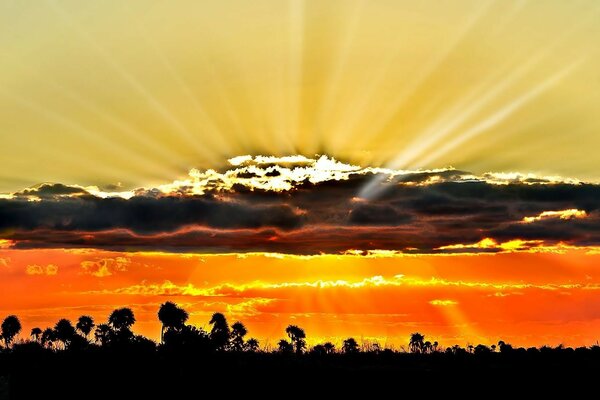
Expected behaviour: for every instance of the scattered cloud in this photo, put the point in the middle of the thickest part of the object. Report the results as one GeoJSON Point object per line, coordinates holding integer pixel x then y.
{"type": "Point", "coordinates": [35, 269]}
{"type": "Point", "coordinates": [106, 266]}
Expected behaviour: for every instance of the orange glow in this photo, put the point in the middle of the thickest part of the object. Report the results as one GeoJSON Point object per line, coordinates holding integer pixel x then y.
{"type": "Point", "coordinates": [526, 298]}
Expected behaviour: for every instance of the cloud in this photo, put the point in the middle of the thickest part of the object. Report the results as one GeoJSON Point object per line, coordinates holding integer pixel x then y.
{"type": "Point", "coordinates": [259, 289]}
{"type": "Point", "coordinates": [35, 269]}
{"type": "Point", "coordinates": [301, 205]}
{"type": "Point", "coordinates": [563, 214]}
{"type": "Point", "coordinates": [105, 267]}
{"type": "Point", "coordinates": [443, 303]}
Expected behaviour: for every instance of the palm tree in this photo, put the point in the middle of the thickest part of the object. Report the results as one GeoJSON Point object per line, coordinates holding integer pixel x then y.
{"type": "Point", "coordinates": [285, 346]}
{"type": "Point", "coordinates": [11, 326]}
{"type": "Point", "coordinates": [219, 334]}
{"type": "Point", "coordinates": [416, 342]}
{"type": "Point", "coordinates": [238, 331]}
{"type": "Point", "coordinates": [172, 317]}
{"type": "Point", "coordinates": [48, 337]}
{"type": "Point", "coordinates": [64, 331]}
{"type": "Point", "coordinates": [121, 319]}
{"type": "Point", "coordinates": [36, 334]}
{"type": "Point", "coordinates": [297, 337]}
{"type": "Point", "coordinates": [85, 324]}
{"type": "Point", "coordinates": [350, 346]}
{"type": "Point", "coordinates": [252, 345]}
{"type": "Point", "coordinates": [427, 347]}
{"type": "Point", "coordinates": [103, 334]}
{"type": "Point", "coordinates": [329, 347]}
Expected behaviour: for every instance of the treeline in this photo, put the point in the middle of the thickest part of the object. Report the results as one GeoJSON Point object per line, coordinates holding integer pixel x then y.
{"type": "Point", "coordinates": [176, 334]}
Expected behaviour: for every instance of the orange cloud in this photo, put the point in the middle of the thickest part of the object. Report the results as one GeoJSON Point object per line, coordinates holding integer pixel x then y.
{"type": "Point", "coordinates": [443, 303]}
{"type": "Point", "coordinates": [105, 267]}
{"type": "Point", "coordinates": [35, 269]}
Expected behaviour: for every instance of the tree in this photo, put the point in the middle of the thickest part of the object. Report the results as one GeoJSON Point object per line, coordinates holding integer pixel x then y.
{"type": "Point", "coordinates": [48, 338]}
{"type": "Point", "coordinates": [189, 340]}
{"type": "Point", "coordinates": [329, 347]}
{"type": "Point", "coordinates": [416, 342]}
{"type": "Point", "coordinates": [481, 349]}
{"type": "Point", "coordinates": [85, 324]}
{"type": "Point", "coordinates": [11, 327]}
{"type": "Point", "coordinates": [238, 331]}
{"type": "Point", "coordinates": [504, 347]}
{"type": "Point", "coordinates": [36, 334]}
{"type": "Point", "coordinates": [64, 332]}
{"type": "Point", "coordinates": [252, 345]}
{"type": "Point", "coordinates": [219, 334]}
{"type": "Point", "coordinates": [427, 347]}
{"type": "Point", "coordinates": [285, 347]}
{"type": "Point", "coordinates": [350, 346]}
{"type": "Point", "coordinates": [319, 350]}
{"type": "Point", "coordinates": [103, 334]}
{"type": "Point", "coordinates": [297, 336]}
{"type": "Point", "coordinates": [172, 317]}
{"type": "Point", "coordinates": [121, 319]}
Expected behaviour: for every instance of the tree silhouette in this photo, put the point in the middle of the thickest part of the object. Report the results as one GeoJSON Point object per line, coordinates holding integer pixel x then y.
{"type": "Point", "coordinates": [329, 347]}
{"type": "Point", "coordinates": [416, 343]}
{"type": "Point", "coordinates": [504, 347]}
{"type": "Point", "coordinates": [103, 334]}
{"type": "Point", "coordinates": [172, 317]}
{"type": "Point", "coordinates": [121, 319]}
{"type": "Point", "coordinates": [85, 324]}
{"type": "Point", "coordinates": [187, 339]}
{"type": "Point", "coordinates": [350, 346]}
{"type": "Point", "coordinates": [48, 338]}
{"type": "Point", "coordinates": [219, 334]}
{"type": "Point", "coordinates": [297, 336]}
{"type": "Point", "coordinates": [285, 347]}
{"type": "Point", "coordinates": [238, 331]}
{"type": "Point", "coordinates": [427, 347]}
{"type": "Point", "coordinates": [252, 345]}
{"type": "Point", "coordinates": [11, 326]}
{"type": "Point", "coordinates": [64, 332]}
{"type": "Point", "coordinates": [36, 334]}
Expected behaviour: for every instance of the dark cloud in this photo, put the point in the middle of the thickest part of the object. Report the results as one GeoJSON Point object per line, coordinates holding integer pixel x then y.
{"type": "Point", "coordinates": [143, 214]}
{"type": "Point", "coordinates": [51, 190]}
{"type": "Point", "coordinates": [384, 215]}
{"type": "Point", "coordinates": [417, 212]}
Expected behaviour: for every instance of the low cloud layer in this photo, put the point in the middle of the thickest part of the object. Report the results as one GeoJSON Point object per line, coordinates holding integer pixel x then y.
{"type": "Point", "coordinates": [309, 206]}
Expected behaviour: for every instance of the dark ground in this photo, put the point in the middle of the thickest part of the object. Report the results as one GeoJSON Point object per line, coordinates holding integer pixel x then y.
{"type": "Point", "coordinates": [106, 375]}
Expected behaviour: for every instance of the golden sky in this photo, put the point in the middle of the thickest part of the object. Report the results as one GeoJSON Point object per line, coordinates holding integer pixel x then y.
{"type": "Point", "coordinates": [139, 92]}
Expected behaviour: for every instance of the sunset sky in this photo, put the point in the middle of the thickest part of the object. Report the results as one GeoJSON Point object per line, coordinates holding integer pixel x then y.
{"type": "Point", "coordinates": [358, 168]}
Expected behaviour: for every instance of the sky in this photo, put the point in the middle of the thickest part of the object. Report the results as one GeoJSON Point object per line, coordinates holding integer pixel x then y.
{"type": "Point", "coordinates": [360, 168]}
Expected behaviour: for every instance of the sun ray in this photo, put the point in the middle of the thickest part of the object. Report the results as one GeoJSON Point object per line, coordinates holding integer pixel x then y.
{"type": "Point", "coordinates": [131, 80]}
{"type": "Point", "coordinates": [499, 116]}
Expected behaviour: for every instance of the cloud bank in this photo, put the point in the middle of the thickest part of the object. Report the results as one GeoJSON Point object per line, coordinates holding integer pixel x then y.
{"type": "Point", "coordinates": [300, 205]}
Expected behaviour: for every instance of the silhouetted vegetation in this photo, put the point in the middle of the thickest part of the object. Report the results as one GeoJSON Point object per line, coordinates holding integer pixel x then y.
{"type": "Point", "coordinates": [68, 356]}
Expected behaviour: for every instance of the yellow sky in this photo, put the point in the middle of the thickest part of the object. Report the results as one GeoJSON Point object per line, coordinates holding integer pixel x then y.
{"type": "Point", "coordinates": [138, 92]}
